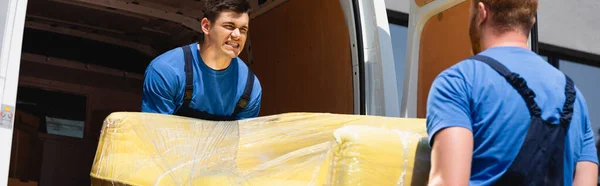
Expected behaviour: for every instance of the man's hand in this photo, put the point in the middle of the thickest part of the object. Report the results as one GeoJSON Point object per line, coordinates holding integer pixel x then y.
{"type": "Point", "coordinates": [586, 174]}
{"type": "Point", "coordinates": [451, 157]}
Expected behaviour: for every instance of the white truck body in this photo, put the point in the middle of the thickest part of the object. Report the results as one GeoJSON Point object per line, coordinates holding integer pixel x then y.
{"type": "Point", "coordinates": [369, 36]}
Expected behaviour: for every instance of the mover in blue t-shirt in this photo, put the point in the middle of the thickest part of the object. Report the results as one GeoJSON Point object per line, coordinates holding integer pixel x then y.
{"type": "Point", "coordinates": [207, 80]}
{"type": "Point", "coordinates": [486, 131]}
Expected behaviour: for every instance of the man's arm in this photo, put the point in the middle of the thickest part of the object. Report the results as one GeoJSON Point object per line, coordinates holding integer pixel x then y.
{"type": "Point", "coordinates": [586, 170]}
{"type": "Point", "coordinates": [449, 127]}
{"type": "Point", "coordinates": [451, 157]}
{"type": "Point", "coordinates": [157, 92]}
{"type": "Point", "coordinates": [586, 174]}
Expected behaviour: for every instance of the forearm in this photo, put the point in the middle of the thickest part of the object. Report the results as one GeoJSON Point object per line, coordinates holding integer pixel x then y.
{"type": "Point", "coordinates": [586, 174]}
{"type": "Point", "coordinates": [451, 157]}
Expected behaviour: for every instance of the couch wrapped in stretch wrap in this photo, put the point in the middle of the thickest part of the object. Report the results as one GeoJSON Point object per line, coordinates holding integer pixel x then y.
{"type": "Point", "coordinates": [286, 149]}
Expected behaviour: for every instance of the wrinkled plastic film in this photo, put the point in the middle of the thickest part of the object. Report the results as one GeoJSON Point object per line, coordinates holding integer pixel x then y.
{"type": "Point", "coordinates": [191, 149]}
{"type": "Point", "coordinates": [286, 149]}
{"type": "Point", "coordinates": [375, 156]}
{"type": "Point", "coordinates": [151, 150]}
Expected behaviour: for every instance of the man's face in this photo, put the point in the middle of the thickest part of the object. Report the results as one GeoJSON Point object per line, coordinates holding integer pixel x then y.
{"type": "Point", "coordinates": [475, 30]}
{"type": "Point", "coordinates": [228, 32]}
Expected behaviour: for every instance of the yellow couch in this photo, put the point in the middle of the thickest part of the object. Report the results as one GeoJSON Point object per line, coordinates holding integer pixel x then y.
{"type": "Point", "coordinates": [286, 149]}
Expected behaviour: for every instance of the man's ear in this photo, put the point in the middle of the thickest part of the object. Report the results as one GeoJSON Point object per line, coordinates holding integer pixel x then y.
{"type": "Point", "coordinates": [483, 13]}
{"type": "Point", "coordinates": [205, 25]}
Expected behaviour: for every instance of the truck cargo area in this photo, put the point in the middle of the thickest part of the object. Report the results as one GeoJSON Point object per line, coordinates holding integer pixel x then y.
{"type": "Point", "coordinates": [84, 59]}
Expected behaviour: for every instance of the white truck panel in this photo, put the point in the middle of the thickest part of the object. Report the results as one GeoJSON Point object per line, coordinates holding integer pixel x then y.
{"type": "Point", "coordinates": [380, 82]}
{"type": "Point", "coordinates": [11, 33]}
{"type": "Point", "coordinates": [417, 19]}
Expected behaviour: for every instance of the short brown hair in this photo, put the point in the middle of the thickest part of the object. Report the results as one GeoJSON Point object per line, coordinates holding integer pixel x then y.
{"type": "Point", "coordinates": [508, 15]}
{"type": "Point", "coordinates": [212, 8]}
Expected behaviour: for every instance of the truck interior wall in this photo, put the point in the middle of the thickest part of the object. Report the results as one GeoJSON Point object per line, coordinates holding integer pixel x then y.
{"type": "Point", "coordinates": [300, 51]}
{"type": "Point", "coordinates": [66, 160]}
{"type": "Point", "coordinates": [444, 42]}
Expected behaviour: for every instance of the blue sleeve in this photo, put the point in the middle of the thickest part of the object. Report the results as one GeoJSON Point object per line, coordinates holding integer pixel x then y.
{"type": "Point", "coordinates": [253, 107]}
{"type": "Point", "coordinates": [588, 148]}
{"type": "Point", "coordinates": [158, 92]}
{"type": "Point", "coordinates": [448, 103]}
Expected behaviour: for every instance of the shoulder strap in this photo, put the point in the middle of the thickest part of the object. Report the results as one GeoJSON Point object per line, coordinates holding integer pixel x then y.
{"type": "Point", "coordinates": [570, 95]}
{"type": "Point", "coordinates": [185, 110]}
{"type": "Point", "coordinates": [517, 82]}
{"type": "Point", "coordinates": [246, 96]}
{"type": "Point", "coordinates": [189, 82]}
{"type": "Point", "coordinates": [189, 73]}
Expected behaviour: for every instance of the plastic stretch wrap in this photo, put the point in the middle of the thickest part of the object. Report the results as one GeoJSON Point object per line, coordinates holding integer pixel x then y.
{"type": "Point", "coordinates": [364, 155]}
{"type": "Point", "coordinates": [286, 149]}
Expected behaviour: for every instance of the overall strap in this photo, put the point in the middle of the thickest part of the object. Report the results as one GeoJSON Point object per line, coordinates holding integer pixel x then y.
{"type": "Point", "coordinates": [185, 109]}
{"type": "Point", "coordinates": [246, 96]}
{"type": "Point", "coordinates": [517, 82]}
{"type": "Point", "coordinates": [189, 89]}
{"type": "Point", "coordinates": [570, 95]}
{"type": "Point", "coordinates": [189, 74]}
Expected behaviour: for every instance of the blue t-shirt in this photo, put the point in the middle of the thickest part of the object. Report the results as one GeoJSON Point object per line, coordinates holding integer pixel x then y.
{"type": "Point", "coordinates": [472, 95]}
{"type": "Point", "coordinates": [215, 91]}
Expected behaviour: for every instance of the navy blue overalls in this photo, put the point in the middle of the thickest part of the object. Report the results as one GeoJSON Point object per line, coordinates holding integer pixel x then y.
{"type": "Point", "coordinates": [185, 109]}
{"type": "Point", "coordinates": [540, 160]}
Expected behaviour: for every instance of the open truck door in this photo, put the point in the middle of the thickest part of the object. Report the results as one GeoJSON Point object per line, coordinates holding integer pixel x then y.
{"type": "Point", "coordinates": [374, 77]}
{"type": "Point", "coordinates": [437, 39]}
{"type": "Point", "coordinates": [12, 21]}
